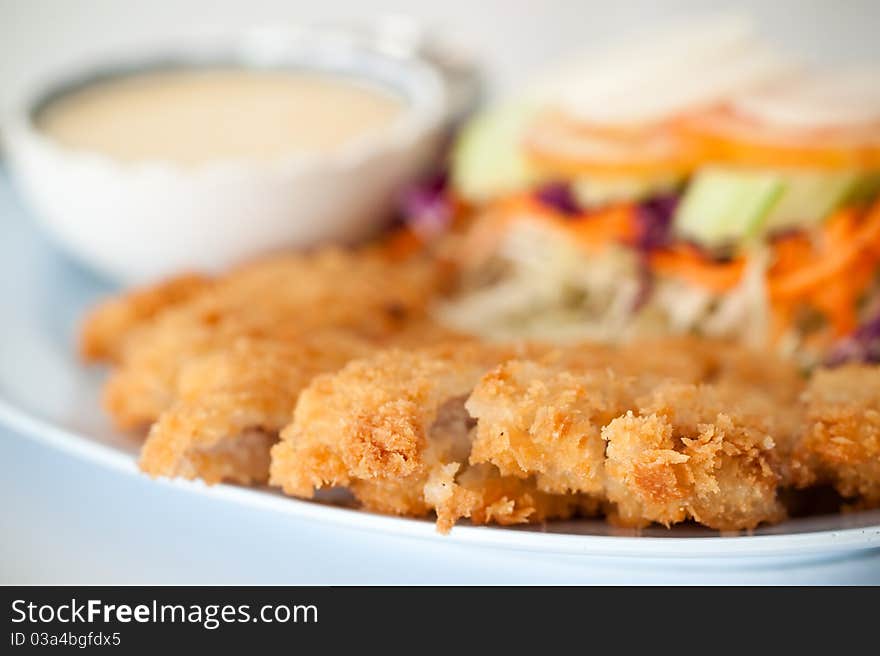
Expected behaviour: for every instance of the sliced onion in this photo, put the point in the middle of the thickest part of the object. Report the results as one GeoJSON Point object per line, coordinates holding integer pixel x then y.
{"type": "Point", "coordinates": [839, 99]}
{"type": "Point", "coordinates": [661, 76]}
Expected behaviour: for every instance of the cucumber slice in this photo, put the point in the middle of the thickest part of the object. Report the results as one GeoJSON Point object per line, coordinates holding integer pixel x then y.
{"type": "Point", "coordinates": [723, 207]}
{"type": "Point", "coordinates": [487, 160]}
{"type": "Point", "coordinates": [810, 196]}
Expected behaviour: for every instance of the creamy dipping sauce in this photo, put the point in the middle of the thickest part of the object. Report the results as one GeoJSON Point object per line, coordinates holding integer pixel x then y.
{"type": "Point", "coordinates": [193, 116]}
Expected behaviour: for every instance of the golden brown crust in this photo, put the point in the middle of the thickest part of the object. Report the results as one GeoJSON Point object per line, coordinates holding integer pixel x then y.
{"type": "Point", "coordinates": [841, 438]}
{"type": "Point", "coordinates": [507, 500]}
{"type": "Point", "coordinates": [480, 494]}
{"type": "Point", "coordinates": [214, 368]}
{"type": "Point", "coordinates": [533, 444]}
{"type": "Point", "coordinates": [107, 327]}
{"type": "Point", "coordinates": [371, 419]}
{"type": "Point", "coordinates": [231, 404]}
{"type": "Point", "coordinates": [392, 427]}
{"type": "Point", "coordinates": [534, 420]}
{"type": "Point", "coordinates": [545, 419]}
{"type": "Point", "coordinates": [696, 452]}
{"type": "Point", "coordinates": [284, 298]}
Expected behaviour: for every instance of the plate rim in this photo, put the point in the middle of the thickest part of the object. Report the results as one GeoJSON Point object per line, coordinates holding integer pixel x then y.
{"type": "Point", "coordinates": [829, 542]}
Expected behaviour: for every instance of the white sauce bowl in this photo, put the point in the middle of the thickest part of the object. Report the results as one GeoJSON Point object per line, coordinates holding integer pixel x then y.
{"type": "Point", "coordinates": [138, 221]}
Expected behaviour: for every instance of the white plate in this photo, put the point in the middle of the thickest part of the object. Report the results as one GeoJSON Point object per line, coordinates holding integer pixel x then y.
{"type": "Point", "coordinates": [46, 394]}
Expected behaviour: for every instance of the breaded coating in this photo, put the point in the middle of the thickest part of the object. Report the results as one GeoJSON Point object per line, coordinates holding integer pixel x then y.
{"type": "Point", "coordinates": [547, 433]}
{"type": "Point", "coordinates": [674, 357]}
{"type": "Point", "coordinates": [535, 420]}
{"type": "Point", "coordinates": [757, 371]}
{"type": "Point", "coordinates": [373, 419]}
{"type": "Point", "coordinates": [507, 500]}
{"type": "Point", "coordinates": [841, 439]}
{"type": "Point", "coordinates": [701, 452]}
{"type": "Point", "coordinates": [286, 299]}
{"type": "Point", "coordinates": [544, 418]}
{"type": "Point", "coordinates": [688, 359]}
{"type": "Point", "coordinates": [109, 325]}
{"type": "Point", "coordinates": [231, 404]}
{"type": "Point", "coordinates": [479, 493]}
{"type": "Point", "coordinates": [214, 366]}
{"type": "Point", "coordinates": [393, 428]}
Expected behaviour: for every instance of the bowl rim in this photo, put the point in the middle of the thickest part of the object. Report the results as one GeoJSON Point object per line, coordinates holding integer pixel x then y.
{"type": "Point", "coordinates": [313, 49]}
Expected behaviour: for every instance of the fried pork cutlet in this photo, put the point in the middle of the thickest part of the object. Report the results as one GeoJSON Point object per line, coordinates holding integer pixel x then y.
{"type": "Point", "coordinates": [231, 404]}
{"type": "Point", "coordinates": [214, 367]}
{"type": "Point", "coordinates": [389, 417]}
{"type": "Point", "coordinates": [702, 452]}
{"type": "Point", "coordinates": [535, 420]}
{"type": "Point", "coordinates": [392, 428]}
{"type": "Point", "coordinates": [840, 444]}
{"type": "Point", "coordinates": [688, 359]}
{"type": "Point", "coordinates": [544, 418]}
{"type": "Point", "coordinates": [554, 433]}
{"type": "Point", "coordinates": [287, 299]}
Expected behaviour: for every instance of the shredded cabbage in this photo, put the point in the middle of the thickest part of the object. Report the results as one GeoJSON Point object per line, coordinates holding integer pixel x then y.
{"type": "Point", "coordinates": [551, 289]}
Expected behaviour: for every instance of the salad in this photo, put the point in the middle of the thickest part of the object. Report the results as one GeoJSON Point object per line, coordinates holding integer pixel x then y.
{"type": "Point", "coordinates": [695, 181]}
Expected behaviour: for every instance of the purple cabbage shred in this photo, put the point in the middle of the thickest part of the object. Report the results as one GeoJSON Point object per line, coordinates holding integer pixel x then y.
{"type": "Point", "coordinates": [862, 345]}
{"type": "Point", "coordinates": [654, 217]}
{"type": "Point", "coordinates": [559, 196]}
{"type": "Point", "coordinates": [426, 206]}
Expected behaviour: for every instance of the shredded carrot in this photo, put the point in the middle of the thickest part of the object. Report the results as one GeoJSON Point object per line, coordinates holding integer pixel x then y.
{"type": "Point", "coordinates": [401, 244]}
{"type": "Point", "coordinates": [844, 240]}
{"type": "Point", "coordinates": [838, 298]}
{"type": "Point", "coordinates": [613, 225]}
{"type": "Point", "coordinates": [790, 252]}
{"type": "Point", "coordinates": [686, 262]}
{"type": "Point", "coordinates": [830, 274]}
{"type": "Point", "coordinates": [592, 229]}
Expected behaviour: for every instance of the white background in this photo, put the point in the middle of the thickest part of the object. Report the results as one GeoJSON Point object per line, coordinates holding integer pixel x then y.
{"type": "Point", "coordinates": [62, 520]}
{"type": "Point", "coordinates": [513, 36]}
